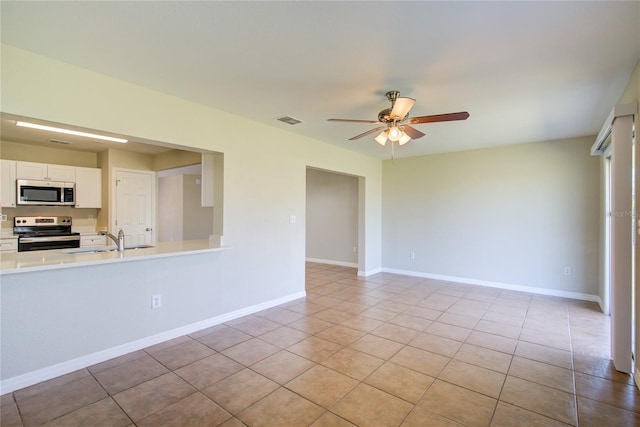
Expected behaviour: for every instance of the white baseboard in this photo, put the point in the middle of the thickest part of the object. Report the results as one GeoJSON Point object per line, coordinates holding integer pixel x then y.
{"type": "Point", "coordinates": [346, 264]}
{"type": "Point", "coordinates": [520, 288]}
{"type": "Point", "coordinates": [369, 272]}
{"type": "Point", "coordinates": [15, 383]}
{"type": "Point", "coordinates": [331, 262]}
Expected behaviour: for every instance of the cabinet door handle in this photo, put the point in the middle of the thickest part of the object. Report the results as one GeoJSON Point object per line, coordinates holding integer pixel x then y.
{"type": "Point", "coordinates": [148, 229]}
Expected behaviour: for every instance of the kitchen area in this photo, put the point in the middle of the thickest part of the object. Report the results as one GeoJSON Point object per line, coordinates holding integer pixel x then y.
{"type": "Point", "coordinates": [65, 191]}
{"type": "Point", "coordinates": [64, 200]}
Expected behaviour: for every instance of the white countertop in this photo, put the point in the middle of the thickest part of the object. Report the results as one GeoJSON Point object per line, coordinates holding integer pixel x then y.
{"type": "Point", "coordinates": [23, 262]}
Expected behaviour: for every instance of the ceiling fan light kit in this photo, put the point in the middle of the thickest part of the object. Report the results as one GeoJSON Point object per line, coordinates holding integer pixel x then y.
{"type": "Point", "coordinates": [404, 138]}
{"type": "Point", "coordinates": [394, 133]}
{"type": "Point", "coordinates": [382, 138]}
{"type": "Point", "coordinates": [396, 121]}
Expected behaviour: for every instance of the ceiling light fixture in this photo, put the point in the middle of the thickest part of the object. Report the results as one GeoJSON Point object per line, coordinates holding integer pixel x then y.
{"type": "Point", "coordinates": [70, 132]}
{"type": "Point", "coordinates": [404, 138]}
{"type": "Point", "coordinates": [382, 138]}
{"type": "Point", "coordinates": [394, 133]}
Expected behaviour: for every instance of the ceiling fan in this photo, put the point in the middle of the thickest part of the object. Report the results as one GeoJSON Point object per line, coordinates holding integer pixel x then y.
{"type": "Point", "coordinates": [395, 121]}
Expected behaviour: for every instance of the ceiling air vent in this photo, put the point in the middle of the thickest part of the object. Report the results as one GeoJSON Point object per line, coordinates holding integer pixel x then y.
{"type": "Point", "coordinates": [289, 120]}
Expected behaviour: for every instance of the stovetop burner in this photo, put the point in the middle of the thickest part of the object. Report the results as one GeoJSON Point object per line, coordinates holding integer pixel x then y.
{"type": "Point", "coordinates": [33, 226]}
{"type": "Point", "coordinates": [44, 233]}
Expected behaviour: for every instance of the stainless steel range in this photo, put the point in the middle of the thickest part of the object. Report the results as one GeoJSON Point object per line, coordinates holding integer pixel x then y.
{"type": "Point", "coordinates": [44, 232]}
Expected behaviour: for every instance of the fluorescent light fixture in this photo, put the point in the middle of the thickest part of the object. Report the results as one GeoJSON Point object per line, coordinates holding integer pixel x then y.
{"type": "Point", "coordinates": [70, 132]}
{"type": "Point", "coordinates": [382, 138]}
{"type": "Point", "coordinates": [404, 138]}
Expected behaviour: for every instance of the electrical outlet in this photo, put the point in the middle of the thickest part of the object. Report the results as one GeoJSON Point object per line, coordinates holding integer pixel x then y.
{"type": "Point", "coordinates": [412, 255]}
{"type": "Point", "coordinates": [567, 271]}
{"type": "Point", "coordinates": [355, 249]}
{"type": "Point", "coordinates": [156, 301]}
{"type": "Point", "coordinates": [3, 217]}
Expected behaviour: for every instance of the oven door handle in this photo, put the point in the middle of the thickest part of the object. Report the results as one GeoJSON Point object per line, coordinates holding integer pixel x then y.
{"type": "Point", "coordinates": [48, 239]}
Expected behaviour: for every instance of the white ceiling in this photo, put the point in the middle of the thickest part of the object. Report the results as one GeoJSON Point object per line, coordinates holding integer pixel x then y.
{"type": "Point", "coordinates": [525, 71]}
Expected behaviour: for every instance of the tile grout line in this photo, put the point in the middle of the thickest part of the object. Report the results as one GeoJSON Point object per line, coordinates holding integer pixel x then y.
{"type": "Point", "coordinates": [573, 372]}
{"type": "Point", "coordinates": [110, 396]}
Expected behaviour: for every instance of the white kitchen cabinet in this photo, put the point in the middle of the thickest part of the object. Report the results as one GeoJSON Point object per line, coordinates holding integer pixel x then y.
{"type": "Point", "coordinates": [8, 184]}
{"type": "Point", "coordinates": [9, 244]}
{"type": "Point", "coordinates": [45, 171]}
{"type": "Point", "coordinates": [92, 240]}
{"type": "Point", "coordinates": [88, 187]}
{"type": "Point", "coordinates": [61, 173]}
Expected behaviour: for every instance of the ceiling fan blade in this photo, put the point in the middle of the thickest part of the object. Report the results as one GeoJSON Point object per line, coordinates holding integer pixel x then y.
{"type": "Point", "coordinates": [463, 115]}
{"type": "Point", "coordinates": [352, 121]}
{"type": "Point", "coordinates": [401, 107]}
{"type": "Point", "coordinates": [412, 132]}
{"type": "Point", "coordinates": [369, 132]}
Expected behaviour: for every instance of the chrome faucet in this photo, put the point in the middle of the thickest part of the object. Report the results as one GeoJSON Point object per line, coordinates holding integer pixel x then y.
{"type": "Point", "coordinates": [118, 240]}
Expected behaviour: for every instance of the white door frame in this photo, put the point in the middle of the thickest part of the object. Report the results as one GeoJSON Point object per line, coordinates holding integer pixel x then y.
{"type": "Point", "coordinates": [623, 229]}
{"type": "Point", "coordinates": [606, 274]}
{"type": "Point", "coordinates": [112, 199]}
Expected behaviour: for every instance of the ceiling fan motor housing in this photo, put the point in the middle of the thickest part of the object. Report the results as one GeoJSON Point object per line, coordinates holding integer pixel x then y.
{"type": "Point", "coordinates": [384, 115]}
{"type": "Point", "coordinates": [392, 95]}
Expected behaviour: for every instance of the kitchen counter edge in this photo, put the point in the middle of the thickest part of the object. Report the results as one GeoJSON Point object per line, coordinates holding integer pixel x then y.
{"type": "Point", "coordinates": [27, 262]}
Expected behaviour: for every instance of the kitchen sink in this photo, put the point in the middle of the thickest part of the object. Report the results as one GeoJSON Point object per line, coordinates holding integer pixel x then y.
{"type": "Point", "coordinates": [88, 250]}
{"type": "Point", "coordinates": [105, 249]}
{"type": "Point", "coordinates": [126, 247]}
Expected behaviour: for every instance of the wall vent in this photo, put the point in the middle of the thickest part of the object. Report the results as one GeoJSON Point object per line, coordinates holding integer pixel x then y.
{"type": "Point", "coordinates": [289, 120]}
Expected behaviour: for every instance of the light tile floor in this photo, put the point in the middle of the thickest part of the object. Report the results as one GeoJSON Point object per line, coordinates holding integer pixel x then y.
{"type": "Point", "coordinates": [387, 350]}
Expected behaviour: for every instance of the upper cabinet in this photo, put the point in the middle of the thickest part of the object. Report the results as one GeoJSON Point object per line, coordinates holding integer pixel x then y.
{"type": "Point", "coordinates": [88, 181]}
{"type": "Point", "coordinates": [8, 184]}
{"type": "Point", "coordinates": [44, 171]}
{"type": "Point", "coordinates": [88, 187]}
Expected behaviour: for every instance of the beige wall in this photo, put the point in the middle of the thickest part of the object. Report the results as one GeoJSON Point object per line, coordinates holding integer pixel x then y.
{"type": "Point", "coordinates": [175, 159]}
{"type": "Point", "coordinates": [36, 153]}
{"type": "Point", "coordinates": [180, 213]}
{"type": "Point", "coordinates": [514, 215]}
{"type": "Point", "coordinates": [264, 184]}
{"type": "Point", "coordinates": [197, 221]}
{"type": "Point", "coordinates": [129, 160]}
{"type": "Point", "coordinates": [170, 200]}
{"type": "Point", "coordinates": [332, 217]}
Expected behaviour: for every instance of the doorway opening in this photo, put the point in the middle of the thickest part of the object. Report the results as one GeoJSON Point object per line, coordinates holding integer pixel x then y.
{"type": "Point", "coordinates": [181, 214]}
{"type": "Point", "coordinates": [334, 212]}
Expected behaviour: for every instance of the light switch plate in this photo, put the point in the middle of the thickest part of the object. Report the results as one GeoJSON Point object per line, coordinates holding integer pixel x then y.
{"type": "Point", "coordinates": [292, 219]}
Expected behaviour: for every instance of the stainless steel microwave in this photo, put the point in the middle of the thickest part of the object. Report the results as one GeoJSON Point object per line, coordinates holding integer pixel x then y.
{"type": "Point", "coordinates": [45, 193]}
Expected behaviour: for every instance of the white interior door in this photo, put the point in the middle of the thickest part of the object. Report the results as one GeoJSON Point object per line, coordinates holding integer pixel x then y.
{"type": "Point", "coordinates": [135, 206]}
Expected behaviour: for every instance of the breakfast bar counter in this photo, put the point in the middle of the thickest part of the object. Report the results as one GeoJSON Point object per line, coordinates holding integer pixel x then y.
{"type": "Point", "coordinates": [23, 262]}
